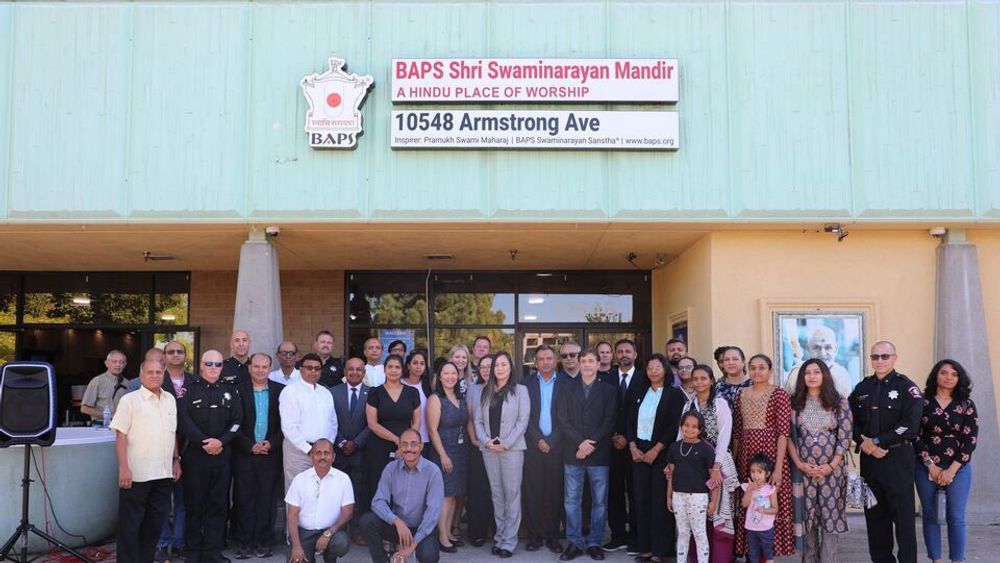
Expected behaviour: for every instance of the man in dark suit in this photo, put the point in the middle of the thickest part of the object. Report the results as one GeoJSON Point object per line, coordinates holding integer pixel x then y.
{"type": "Point", "coordinates": [543, 468]}
{"type": "Point", "coordinates": [586, 412]}
{"type": "Point", "coordinates": [256, 461]}
{"type": "Point", "coordinates": [628, 379]}
{"type": "Point", "coordinates": [349, 400]}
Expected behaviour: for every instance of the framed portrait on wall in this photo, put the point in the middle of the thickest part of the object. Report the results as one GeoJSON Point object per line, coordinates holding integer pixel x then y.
{"type": "Point", "coordinates": [837, 335]}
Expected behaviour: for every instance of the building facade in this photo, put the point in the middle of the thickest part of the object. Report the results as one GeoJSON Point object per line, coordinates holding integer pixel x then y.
{"type": "Point", "coordinates": [839, 165]}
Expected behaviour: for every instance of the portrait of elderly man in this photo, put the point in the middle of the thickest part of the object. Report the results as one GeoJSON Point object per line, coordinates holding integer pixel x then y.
{"type": "Point", "coordinates": [823, 345]}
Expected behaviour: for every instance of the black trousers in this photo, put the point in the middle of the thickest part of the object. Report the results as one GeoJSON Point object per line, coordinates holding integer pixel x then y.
{"type": "Point", "coordinates": [253, 498]}
{"type": "Point", "coordinates": [354, 467]}
{"type": "Point", "coordinates": [656, 526]}
{"type": "Point", "coordinates": [142, 509]}
{"type": "Point", "coordinates": [206, 500]}
{"type": "Point", "coordinates": [542, 493]}
{"type": "Point", "coordinates": [621, 509]}
{"type": "Point", "coordinates": [479, 499]}
{"type": "Point", "coordinates": [375, 530]}
{"type": "Point", "coordinates": [891, 479]}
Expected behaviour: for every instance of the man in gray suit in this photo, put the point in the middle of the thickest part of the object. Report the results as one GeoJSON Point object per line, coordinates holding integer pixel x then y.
{"type": "Point", "coordinates": [349, 400]}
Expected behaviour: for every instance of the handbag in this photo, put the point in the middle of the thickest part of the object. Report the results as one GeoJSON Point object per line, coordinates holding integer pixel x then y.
{"type": "Point", "coordinates": [859, 494]}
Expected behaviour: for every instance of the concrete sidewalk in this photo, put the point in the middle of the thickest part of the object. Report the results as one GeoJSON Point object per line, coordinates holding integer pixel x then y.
{"type": "Point", "coordinates": [983, 545]}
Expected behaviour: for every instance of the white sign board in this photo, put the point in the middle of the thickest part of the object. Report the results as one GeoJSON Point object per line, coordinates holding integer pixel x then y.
{"type": "Point", "coordinates": [334, 119]}
{"type": "Point", "coordinates": [516, 129]}
{"type": "Point", "coordinates": [534, 80]}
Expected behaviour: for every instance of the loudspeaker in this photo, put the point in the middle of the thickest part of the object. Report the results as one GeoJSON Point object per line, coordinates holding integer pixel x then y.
{"type": "Point", "coordinates": [27, 404]}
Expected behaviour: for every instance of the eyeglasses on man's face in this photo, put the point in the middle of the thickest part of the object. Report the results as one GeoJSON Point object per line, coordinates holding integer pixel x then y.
{"type": "Point", "coordinates": [882, 357]}
{"type": "Point", "coordinates": [174, 352]}
{"type": "Point", "coordinates": [212, 364]}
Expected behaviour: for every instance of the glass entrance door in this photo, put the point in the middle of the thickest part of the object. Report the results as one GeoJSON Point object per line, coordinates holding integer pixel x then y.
{"type": "Point", "coordinates": [530, 339]}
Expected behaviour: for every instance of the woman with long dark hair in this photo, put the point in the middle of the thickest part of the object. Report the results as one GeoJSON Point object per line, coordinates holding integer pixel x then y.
{"type": "Point", "coordinates": [762, 418]}
{"type": "Point", "coordinates": [949, 429]}
{"type": "Point", "coordinates": [478, 489]}
{"type": "Point", "coordinates": [392, 408]}
{"type": "Point", "coordinates": [501, 420]}
{"type": "Point", "coordinates": [651, 427]}
{"type": "Point", "coordinates": [822, 422]}
{"type": "Point", "coordinates": [447, 418]}
{"type": "Point", "coordinates": [417, 376]}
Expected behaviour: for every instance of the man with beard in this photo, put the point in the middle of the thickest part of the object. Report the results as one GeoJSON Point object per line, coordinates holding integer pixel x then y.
{"type": "Point", "coordinates": [628, 380]}
{"type": "Point", "coordinates": [236, 369]}
{"type": "Point", "coordinates": [677, 350]}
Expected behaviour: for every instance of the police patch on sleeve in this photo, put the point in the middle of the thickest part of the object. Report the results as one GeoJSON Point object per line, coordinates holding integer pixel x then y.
{"type": "Point", "coordinates": [915, 392]}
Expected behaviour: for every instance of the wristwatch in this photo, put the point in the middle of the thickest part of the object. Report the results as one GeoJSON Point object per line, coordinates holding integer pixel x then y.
{"type": "Point", "coordinates": [928, 462]}
{"type": "Point", "coordinates": [327, 534]}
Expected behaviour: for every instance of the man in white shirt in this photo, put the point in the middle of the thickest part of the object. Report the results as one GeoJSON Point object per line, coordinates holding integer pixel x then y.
{"type": "Point", "coordinates": [145, 425]}
{"type": "Point", "coordinates": [287, 373]}
{"type": "Point", "coordinates": [320, 504]}
{"type": "Point", "coordinates": [307, 415]}
{"type": "Point", "coordinates": [374, 372]}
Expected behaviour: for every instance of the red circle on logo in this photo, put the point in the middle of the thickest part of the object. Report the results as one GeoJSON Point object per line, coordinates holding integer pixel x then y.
{"type": "Point", "coordinates": [333, 100]}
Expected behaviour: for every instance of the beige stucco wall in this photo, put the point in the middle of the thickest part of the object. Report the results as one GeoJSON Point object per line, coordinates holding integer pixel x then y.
{"type": "Point", "coordinates": [724, 278]}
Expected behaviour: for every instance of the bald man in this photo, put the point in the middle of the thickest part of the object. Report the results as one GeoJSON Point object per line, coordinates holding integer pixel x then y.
{"type": "Point", "coordinates": [236, 369]}
{"type": "Point", "coordinates": [106, 389]}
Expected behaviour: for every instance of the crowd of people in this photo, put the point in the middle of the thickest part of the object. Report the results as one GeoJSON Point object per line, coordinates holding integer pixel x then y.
{"type": "Point", "coordinates": [600, 452]}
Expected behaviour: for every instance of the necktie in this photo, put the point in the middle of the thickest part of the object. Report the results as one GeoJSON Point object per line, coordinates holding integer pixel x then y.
{"type": "Point", "coordinates": [354, 401]}
{"type": "Point", "coordinates": [623, 387]}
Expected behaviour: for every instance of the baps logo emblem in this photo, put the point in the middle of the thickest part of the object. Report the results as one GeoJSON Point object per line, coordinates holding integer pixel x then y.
{"type": "Point", "coordinates": [334, 118]}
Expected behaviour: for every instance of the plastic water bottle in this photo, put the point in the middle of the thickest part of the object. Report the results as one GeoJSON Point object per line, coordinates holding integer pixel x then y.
{"type": "Point", "coordinates": [107, 416]}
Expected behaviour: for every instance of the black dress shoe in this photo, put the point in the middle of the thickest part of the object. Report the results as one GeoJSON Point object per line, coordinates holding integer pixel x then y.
{"type": "Point", "coordinates": [571, 553]}
{"type": "Point", "coordinates": [478, 542]}
{"type": "Point", "coordinates": [495, 550]}
{"type": "Point", "coordinates": [534, 544]}
{"type": "Point", "coordinates": [447, 548]}
{"type": "Point", "coordinates": [554, 546]}
{"type": "Point", "coordinates": [595, 553]}
{"type": "Point", "coordinates": [505, 554]}
{"type": "Point", "coordinates": [458, 543]}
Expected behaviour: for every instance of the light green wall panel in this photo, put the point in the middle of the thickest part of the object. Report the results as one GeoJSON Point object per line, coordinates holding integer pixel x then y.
{"type": "Point", "coordinates": [6, 68]}
{"type": "Point", "coordinates": [788, 110]}
{"type": "Point", "coordinates": [188, 137]}
{"type": "Point", "coordinates": [549, 184]}
{"type": "Point", "coordinates": [985, 28]}
{"type": "Point", "coordinates": [910, 115]}
{"type": "Point", "coordinates": [70, 87]}
{"type": "Point", "coordinates": [447, 184]}
{"type": "Point", "coordinates": [656, 185]}
{"type": "Point", "coordinates": [287, 177]}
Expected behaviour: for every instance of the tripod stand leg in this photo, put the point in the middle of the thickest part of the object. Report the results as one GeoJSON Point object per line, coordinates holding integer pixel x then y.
{"type": "Point", "coordinates": [21, 530]}
{"type": "Point", "coordinates": [58, 544]}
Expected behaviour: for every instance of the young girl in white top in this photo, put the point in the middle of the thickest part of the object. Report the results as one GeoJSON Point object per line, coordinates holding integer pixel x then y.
{"type": "Point", "coordinates": [760, 498]}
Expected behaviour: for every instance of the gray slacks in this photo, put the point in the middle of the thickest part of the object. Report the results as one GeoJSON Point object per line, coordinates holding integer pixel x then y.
{"type": "Point", "coordinates": [293, 462]}
{"type": "Point", "coordinates": [820, 546]}
{"type": "Point", "coordinates": [505, 471]}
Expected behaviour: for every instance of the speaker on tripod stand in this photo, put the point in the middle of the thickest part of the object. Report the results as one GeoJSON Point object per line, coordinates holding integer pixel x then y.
{"type": "Point", "coordinates": [28, 418]}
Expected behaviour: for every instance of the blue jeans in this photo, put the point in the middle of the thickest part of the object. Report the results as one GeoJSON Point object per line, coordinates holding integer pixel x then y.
{"type": "Point", "coordinates": [760, 545]}
{"type": "Point", "coordinates": [958, 496]}
{"type": "Point", "coordinates": [573, 503]}
{"type": "Point", "coordinates": [173, 536]}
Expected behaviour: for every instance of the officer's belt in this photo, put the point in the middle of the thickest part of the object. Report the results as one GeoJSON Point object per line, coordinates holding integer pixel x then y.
{"type": "Point", "coordinates": [898, 445]}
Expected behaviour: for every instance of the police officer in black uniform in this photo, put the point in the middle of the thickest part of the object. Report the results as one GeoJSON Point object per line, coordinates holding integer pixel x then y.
{"type": "Point", "coordinates": [236, 368]}
{"type": "Point", "coordinates": [208, 417]}
{"type": "Point", "coordinates": [887, 407]}
{"type": "Point", "coordinates": [333, 368]}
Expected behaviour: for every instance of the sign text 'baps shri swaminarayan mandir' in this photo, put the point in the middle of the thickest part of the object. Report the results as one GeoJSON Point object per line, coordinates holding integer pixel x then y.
{"type": "Point", "coordinates": [534, 80]}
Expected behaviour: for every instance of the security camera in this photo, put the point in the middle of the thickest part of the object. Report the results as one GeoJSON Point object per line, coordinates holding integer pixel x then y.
{"type": "Point", "coordinates": [273, 231]}
{"type": "Point", "coordinates": [938, 232]}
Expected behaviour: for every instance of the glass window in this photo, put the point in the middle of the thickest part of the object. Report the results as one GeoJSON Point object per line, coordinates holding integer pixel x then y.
{"type": "Point", "coordinates": [8, 299]}
{"type": "Point", "coordinates": [574, 308]}
{"type": "Point", "coordinates": [171, 309]}
{"type": "Point", "coordinates": [415, 338]}
{"type": "Point", "coordinates": [86, 308]}
{"type": "Point", "coordinates": [388, 308]}
{"type": "Point", "coordinates": [501, 339]}
{"type": "Point", "coordinates": [474, 308]}
{"type": "Point", "coordinates": [7, 342]}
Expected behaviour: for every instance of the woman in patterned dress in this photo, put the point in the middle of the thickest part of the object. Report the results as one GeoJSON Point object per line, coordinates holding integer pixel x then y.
{"type": "Point", "coordinates": [822, 419]}
{"type": "Point", "coordinates": [732, 361]}
{"type": "Point", "coordinates": [761, 422]}
{"type": "Point", "coordinates": [949, 429]}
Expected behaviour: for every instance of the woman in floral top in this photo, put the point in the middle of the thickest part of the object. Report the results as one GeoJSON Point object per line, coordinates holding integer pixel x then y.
{"type": "Point", "coordinates": [944, 446]}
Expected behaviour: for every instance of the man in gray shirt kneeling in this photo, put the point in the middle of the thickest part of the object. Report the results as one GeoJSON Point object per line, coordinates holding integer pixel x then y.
{"type": "Point", "coordinates": [406, 506]}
